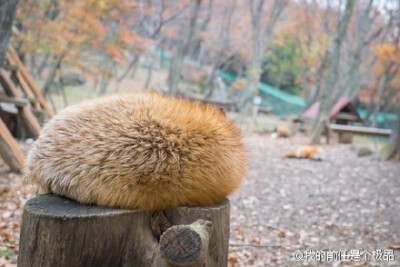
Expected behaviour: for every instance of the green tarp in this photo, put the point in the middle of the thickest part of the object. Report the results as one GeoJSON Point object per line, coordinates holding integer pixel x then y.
{"type": "Point", "coordinates": [272, 91]}
{"type": "Point", "coordinates": [283, 103]}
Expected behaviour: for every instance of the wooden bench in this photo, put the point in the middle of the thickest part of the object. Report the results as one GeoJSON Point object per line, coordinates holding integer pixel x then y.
{"type": "Point", "coordinates": [226, 105]}
{"type": "Point", "coordinates": [346, 132]}
{"type": "Point", "coordinates": [17, 101]}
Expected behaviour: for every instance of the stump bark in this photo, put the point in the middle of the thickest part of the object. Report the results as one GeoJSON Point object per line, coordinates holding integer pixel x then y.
{"type": "Point", "coordinates": [60, 232]}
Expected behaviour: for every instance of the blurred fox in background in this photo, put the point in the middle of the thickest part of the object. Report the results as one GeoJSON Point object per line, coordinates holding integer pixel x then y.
{"type": "Point", "coordinates": [305, 152]}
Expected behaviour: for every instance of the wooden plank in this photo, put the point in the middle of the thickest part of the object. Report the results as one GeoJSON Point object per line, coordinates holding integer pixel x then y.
{"type": "Point", "coordinates": [19, 102]}
{"type": "Point", "coordinates": [29, 94]}
{"type": "Point", "coordinates": [360, 130]}
{"type": "Point", "coordinates": [10, 150]}
{"type": "Point", "coordinates": [9, 67]}
{"type": "Point", "coordinates": [24, 86]}
{"type": "Point", "coordinates": [9, 85]}
{"type": "Point", "coordinates": [346, 116]}
{"type": "Point", "coordinates": [30, 121]}
{"type": "Point", "coordinates": [30, 82]}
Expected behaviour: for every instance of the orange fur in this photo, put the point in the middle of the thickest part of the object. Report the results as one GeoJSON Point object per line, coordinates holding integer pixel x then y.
{"type": "Point", "coordinates": [306, 152]}
{"type": "Point", "coordinates": [141, 151]}
{"type": "Point", "coordinates": [283, 131]}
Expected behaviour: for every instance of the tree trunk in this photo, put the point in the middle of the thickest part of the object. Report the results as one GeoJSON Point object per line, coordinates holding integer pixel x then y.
{"type": "Point", "coordinates": [105, 77]}
{"type": "Point", "coordinates": [182, 50]}
{"type": "Point", "coordinates": [128, 69]}
{"type": "Point", "coordinates": [382, 85]}
{"type": "Point", "coordinates": [196, 46]}
{"type": "Point", "coordinates": [225, 35]}
{"type": "Point", "coordinates": [261, 36]}
{"type": "Point", "coordinates": [33, 65]}
{"type": "Point", "coordinates": [316, 91]}
{"type": "Point", "coordinates": [330, 93]}
{"type": "Point", "coordinates": [393, 148]}
{"type": "Point", "coordinates": [254, 70]}
{"type": "Point", "coordinates": [7, 12]}
{"type": "Point", "coordinates": [51, 76]}
{"type": "Point", "coordinates": [62, 87]}
{"type": "Point", "coordinates": [52, 103]}
{"type": "Point", "coordinates": [149, 74]}
{"type": "Point", "coordinates": [60, 232]}
{"type": "Point", "coordinates": [43, 65]}
{"type": "Point", "coordinates": [351, 85]}
{"type": "Point", "coordinates": [103, 85]}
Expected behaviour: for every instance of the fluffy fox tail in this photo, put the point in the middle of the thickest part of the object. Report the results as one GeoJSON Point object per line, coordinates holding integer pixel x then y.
{"type": "Point", "coordinates": [306, 152]}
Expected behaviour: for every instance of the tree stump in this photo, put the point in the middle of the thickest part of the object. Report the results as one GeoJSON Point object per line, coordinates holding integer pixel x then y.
{"type": "Point", "coordinates": [60, 232]}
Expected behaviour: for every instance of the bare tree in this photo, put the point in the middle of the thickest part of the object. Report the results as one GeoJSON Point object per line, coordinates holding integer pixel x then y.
{"type": "Point", "coordinates": [352, 78]}
{"type": "Point", "coordinates": [195, 48]}
{"type": "Point", "coordinates": [391, 70]}
{"type": "Point", "coordinates": [7, 12]}
{"type": "Point", "coordinates": [330, 92]}
{"type": "Point", "coordinates": [316, 77]}
{"type": "Point", "coordinates": [223, 44]}
{"type": "Point", "coordinates": [182, 49]}
{"type": "Point", "coordinates": [52, 73]}
{"type": "Point", "coordinates": [392, 149]}
{"type": "Point", "coordinates": [261, 36]}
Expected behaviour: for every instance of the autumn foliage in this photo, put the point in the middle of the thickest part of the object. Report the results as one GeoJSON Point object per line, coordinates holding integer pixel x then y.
{"type": "Point", "coordinates": [104, 37]}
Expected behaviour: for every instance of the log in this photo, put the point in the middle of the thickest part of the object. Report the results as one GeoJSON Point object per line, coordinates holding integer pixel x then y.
{"type": "Point", "coordinates": [29, 94]}
{"type": "Point", "coordinates": [9, 149]}
{"type": "Point", "coordinates": [31, 123]}
{"type": "Point", "coordinates": [60, 232]}
{"type": "Point", "coordinates": [24, 86]}
{"type": "Point", "coordinates": [25, 74]}
{"type": "Point", "coordinates": [17, 101]}
{"type": "Point", "coordinates": [186, 245]}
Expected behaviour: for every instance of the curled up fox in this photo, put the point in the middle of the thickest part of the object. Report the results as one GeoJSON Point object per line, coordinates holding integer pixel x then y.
{"type": "Point", "coordinates": [140, 151]}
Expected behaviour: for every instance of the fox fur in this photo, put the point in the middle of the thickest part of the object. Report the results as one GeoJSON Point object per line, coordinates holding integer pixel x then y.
{"type": "Point", "coordinates": [141, 151]}
{"type": "Point", "coordinates": [283, 131]}
{"type": "Point", "coordinates": [305, 152]}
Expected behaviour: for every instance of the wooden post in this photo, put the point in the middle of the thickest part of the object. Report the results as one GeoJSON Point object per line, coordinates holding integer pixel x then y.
{"type": "Point", "coordinates": [25, 74]}
{"type": "Point", "coordinates": [26, 89]}
{"type": "Point", "coordinates": [9, 149]}
{"type": "Point", "coordinates": [24, 86]}
{"type": "Point", "coordinates": [29, 119]}
{"type": "Point", "coordinates": [60, 232]}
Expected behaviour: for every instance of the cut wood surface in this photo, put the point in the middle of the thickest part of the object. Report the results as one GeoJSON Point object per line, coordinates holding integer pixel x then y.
{"type": "Point", "coordinates": [186, 245]}
{"type": "Point", "coordinates": [61, 232]}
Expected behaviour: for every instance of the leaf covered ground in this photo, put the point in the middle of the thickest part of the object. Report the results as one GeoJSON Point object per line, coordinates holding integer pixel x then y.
{"type": "Point", "coordinates": [343, 202]}
{"type": "Point", "coordinates": [285, 205]}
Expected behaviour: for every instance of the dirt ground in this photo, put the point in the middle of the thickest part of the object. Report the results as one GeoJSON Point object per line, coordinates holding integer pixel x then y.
{"type": "Point", "coordinates": [288, 206]}
{"type": "Point", "coordinates": [284, 208]}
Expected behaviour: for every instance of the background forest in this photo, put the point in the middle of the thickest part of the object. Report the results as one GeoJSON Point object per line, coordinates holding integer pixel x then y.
{"type": "Point", "coordinates": [289, 45]}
